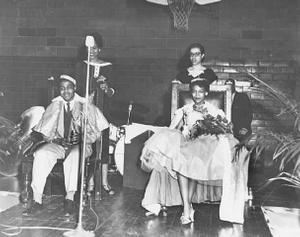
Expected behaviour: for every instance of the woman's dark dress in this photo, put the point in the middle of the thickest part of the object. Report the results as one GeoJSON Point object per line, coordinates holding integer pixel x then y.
{"type": "Point", "coordinates": [208, 74]}
{"type": "Point", "coordinates": [100, 99]}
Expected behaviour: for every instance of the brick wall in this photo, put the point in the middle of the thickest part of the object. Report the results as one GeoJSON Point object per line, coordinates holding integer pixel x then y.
{"type": "Point", "coordinates": [40, 38]}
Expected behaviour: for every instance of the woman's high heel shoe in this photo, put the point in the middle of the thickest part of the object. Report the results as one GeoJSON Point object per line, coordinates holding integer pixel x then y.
{"type": "Point", "coordinates": [185, 220]}
{"type": "Point", "coordinates": [164, 210]}
{"type": "Point", "coordinates": [107, 189]}
{"type": "Point", "coordinates": [192, 213]}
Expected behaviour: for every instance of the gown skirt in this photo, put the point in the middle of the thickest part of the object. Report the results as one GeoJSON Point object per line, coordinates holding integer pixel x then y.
{"type": "Point", "coordinates": [168, 151]}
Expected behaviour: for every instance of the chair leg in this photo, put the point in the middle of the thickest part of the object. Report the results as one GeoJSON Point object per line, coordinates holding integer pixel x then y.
{"type": "Point", "coordinates": [26, 193]}
{"type": "Point", "coordinates": [88, 184]}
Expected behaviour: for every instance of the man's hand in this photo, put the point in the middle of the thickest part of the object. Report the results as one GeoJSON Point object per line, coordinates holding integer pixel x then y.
{"type": "Point", "coordinates": [61, 142]}
{"type": "Point", "coordinates": [56, 141]}
{"type": "Point", "coordinates": [65, 143]}
{"type": "Point", "coordinates": [243, 131]}
{"type": "Point", "coordinates": [74, 138]}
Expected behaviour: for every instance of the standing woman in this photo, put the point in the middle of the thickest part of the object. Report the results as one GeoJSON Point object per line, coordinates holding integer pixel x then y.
{"type": "Point", "coordinates": [100, 90]}
{"type": "Point", "coordinates": [193, 68]}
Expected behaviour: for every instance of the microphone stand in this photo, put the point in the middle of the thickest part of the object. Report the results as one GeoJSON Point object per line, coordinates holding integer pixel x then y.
{"type": "Point", "coordinates": [79, 231]}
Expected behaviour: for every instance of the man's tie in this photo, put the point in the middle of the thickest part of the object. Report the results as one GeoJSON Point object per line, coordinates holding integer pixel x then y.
{"type": "Point", "coordinates": [67, 121]}
{"type": "Point", "coordinates": [68, 107]}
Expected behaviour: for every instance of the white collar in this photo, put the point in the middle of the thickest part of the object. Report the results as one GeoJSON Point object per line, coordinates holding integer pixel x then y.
{"type": "Point", "coordinates": [195, 72]}
{"type": "Point", "coordinates": [71, 105]}
{"type": "Point", "coordinates": [101, 64]}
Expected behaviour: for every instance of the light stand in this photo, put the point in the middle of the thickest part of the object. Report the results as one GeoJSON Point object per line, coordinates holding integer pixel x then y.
{"type": "Point", "coordinates": [79, 231]}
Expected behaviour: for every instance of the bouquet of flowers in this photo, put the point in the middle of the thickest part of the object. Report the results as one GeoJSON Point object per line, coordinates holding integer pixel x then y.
{"type": "Point", "coordinates": [210, 125]}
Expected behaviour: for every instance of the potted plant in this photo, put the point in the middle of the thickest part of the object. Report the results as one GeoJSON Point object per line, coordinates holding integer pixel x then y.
{"type": "Point", "coordinates": [287, 151]}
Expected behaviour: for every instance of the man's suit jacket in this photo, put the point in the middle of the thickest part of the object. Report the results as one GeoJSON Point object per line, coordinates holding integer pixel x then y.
{"type": "Point", "coordinates": [242, 114]}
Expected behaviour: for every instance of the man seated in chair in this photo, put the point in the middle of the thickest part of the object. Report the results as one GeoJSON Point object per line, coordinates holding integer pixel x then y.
{"type": "Point", "coordinates": [62, 125]}
{"type": "Point", "coordinates": [241, 113]}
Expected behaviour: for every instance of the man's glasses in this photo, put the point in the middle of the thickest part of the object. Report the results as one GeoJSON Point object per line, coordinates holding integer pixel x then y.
{"type": "Point", "coordinates": [195, 54]}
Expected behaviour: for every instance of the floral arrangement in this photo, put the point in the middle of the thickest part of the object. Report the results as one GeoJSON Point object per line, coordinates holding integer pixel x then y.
{"type": "Point", "coordinates": [210, 125]}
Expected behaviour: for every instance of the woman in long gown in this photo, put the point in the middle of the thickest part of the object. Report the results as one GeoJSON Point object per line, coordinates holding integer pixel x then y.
{"type": "Point", "coordinates": [101, 90]}
{"type": "Point", "coordinates": [180, 152]}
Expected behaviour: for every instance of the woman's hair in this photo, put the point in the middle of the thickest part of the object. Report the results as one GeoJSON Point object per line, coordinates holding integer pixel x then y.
{"type": "Point", "coordinates": [98, 39]}
{"type": "Point", "coordinates": [82, 51]}
{"type": "Point", "coordinates": [201, 83]}
{"type": "Point", "coordinates": [195, 45]}
{"type": "Point", "coordinates": [185, 61]}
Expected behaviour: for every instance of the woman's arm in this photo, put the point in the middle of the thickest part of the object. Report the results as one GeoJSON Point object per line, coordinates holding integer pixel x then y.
{"type": "Point", "coordinates": [177, 121]}
{"type": "Point", "coordinates": [221, 113]}
{"type": "Point", "coordinates": [106, 80]}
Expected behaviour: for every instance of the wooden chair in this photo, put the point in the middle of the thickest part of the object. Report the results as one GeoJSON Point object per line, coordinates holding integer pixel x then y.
{"type": "Point", "coordinates": [92, 166]}
{"type": "Point", "coordinates": [219, 95]}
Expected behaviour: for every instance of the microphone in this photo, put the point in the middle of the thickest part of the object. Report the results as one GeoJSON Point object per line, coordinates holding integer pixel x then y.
{"type": "Point", "coordinates": [130, 106]}
{"type": "Point", "coordinates": [129, 111]}
{"type": "Point", "coordinates": [89, 41]}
